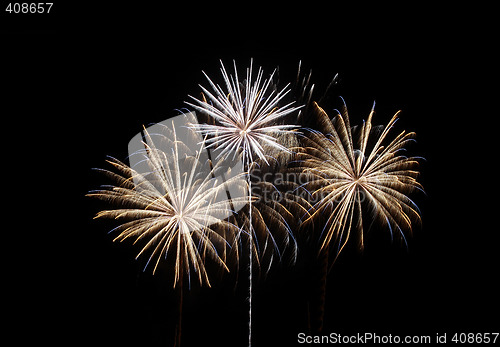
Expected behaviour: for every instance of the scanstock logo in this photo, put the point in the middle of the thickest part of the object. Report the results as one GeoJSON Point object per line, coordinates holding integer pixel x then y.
{"type": "Point", "coordinates": [182, 157]}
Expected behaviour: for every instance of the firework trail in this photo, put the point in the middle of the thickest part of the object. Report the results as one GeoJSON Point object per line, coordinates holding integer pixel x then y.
{"type": "Point", "coordinates": [245, 116]}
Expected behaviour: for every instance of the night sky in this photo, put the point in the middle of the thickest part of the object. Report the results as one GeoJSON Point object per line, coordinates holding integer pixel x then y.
{"type": "Point", "coordinates": [83, 82]}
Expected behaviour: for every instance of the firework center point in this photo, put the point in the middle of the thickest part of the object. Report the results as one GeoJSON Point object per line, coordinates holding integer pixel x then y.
{"type": "Point", "coordinates": [359, 180]}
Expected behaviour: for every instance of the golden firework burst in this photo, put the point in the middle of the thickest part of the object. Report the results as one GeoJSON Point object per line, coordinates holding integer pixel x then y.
{"type": "Point", "coordinates": [353, 170]}
{"type": "Point", "coordinates": [178, 205]}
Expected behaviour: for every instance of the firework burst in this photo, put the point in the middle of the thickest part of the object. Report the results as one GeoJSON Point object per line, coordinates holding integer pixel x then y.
{"type": "Point", "coordinates": [351, 170]}
{"type": "Point", "coordinates": [246, 115]}
{"type": "Point", "coordinates": [177, 206]}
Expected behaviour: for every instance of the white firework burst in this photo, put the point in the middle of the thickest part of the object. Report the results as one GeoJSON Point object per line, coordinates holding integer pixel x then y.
{"type": "Point", "coordinates": [246, 114]}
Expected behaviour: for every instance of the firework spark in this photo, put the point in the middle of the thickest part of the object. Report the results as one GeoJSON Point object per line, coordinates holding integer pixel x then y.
{"type": "Point", "coordinates": [178, 206]}
{"type": "Point", "coordinates": [351, 170]}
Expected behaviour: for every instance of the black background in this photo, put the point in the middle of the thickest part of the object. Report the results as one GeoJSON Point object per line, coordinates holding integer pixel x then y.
{"type": "Point", "coordinates": [78, 84]}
